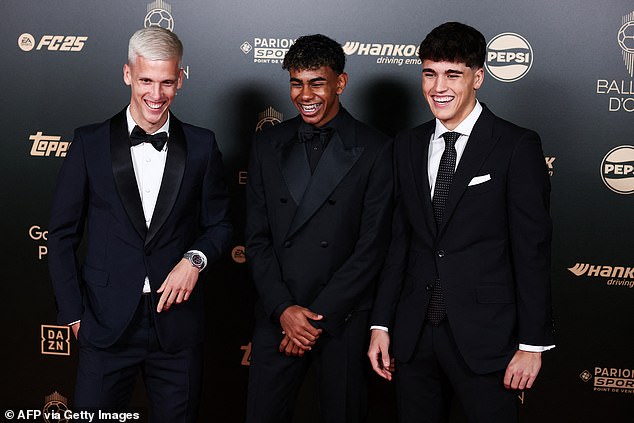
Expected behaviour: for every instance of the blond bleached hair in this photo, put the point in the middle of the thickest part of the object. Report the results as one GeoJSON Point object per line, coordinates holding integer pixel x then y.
{"type": "Point", "coordinates": [155, 43]}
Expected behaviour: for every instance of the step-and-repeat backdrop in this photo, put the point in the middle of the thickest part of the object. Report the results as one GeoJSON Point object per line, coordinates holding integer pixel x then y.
{"type": "Point", "coordinates": [564, 68]}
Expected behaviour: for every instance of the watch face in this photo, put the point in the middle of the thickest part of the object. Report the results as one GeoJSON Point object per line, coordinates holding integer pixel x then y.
{"type": "Point", "coordinates": [197, 260]}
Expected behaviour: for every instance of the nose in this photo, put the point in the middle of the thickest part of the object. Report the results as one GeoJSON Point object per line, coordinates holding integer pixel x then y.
{"type": "Point", "coordinates": [156, 91]}
{"type": "Point", "coordinates": [441, 84]}
{"type": "Point", "coordinates": [306, 93]}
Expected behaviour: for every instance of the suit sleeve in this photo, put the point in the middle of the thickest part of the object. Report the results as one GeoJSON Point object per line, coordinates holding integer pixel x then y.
{"type": "Point", "coordinates": [391, 278]}
{"type": "Point", "coordinates": [261, 257]}
{"type": "Point", "coordinates": [214, 209]}
{"type": "Point", "coordinates": [68, 215]}
{"type": "Point", "coordinates": [359, 272]}
{"type": "Point", "coordinates": [530, 231]}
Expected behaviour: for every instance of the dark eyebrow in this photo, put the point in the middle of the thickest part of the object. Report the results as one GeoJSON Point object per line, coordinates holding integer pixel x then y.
{"type": "Point", "coordinates": [429, 70]}
{"type": "Point", "coordinates": [310, 81]}
{"type": "Point", "coordinates": [455, 72]}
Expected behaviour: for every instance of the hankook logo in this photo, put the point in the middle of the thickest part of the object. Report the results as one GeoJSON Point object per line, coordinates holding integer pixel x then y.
{"type": "Point", "coordinates": [388, 54]}
{"type": "Point", "coordinates": [616, 275]}
{"type": "Point", "coordinates": [159, 13]}
{"type": "Point", "coordinates": [617, 169]}
{"type": "Point", "coordinates": [509, 57]}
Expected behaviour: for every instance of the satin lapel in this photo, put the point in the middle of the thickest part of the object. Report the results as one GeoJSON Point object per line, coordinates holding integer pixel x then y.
{"type": "Point", "coordinates": [123, 172]}
{"type": "Point", "coordinates": [334, 164]}
{"type": "Point", "coordinates": [419, 153]}
{"type": "Point", "coordinates": [172, 177]}
{"type": "Point", "coordinates": [481, 142]}
{"type": "Point", "coordinates": [294, 164]}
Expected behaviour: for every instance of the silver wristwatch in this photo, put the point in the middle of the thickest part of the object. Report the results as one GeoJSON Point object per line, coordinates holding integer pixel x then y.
{"type": "Point", "coordinates": [195, 259]}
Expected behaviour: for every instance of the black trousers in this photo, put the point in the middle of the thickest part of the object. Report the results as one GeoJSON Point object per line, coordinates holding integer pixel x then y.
{"type": "Point", "coordinates": [427, 383]}
{"type": "Point", "coordinates": [341, 366]}
{"type": "Point", "coordinates": [106, 377]}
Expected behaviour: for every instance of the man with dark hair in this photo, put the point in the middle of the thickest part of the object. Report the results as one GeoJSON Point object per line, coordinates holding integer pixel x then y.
{"type": "Point", "coordinates": [149, 191]}
{"type": "Point", "coordinates": [465, 291]}
{"type": "Point", "coordinates": [318, 212]}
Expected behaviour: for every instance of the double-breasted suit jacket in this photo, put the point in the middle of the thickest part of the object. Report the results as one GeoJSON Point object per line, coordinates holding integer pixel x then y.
{"type": "Point", "coordinates": [97, 199]}
{"type": "Point", "coordinates": [318, 240]}
{"type": "Point", "coordinates": [491, 252]}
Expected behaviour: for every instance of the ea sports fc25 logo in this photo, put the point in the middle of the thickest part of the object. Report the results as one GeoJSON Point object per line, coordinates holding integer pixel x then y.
{"type": "Point", "coordinates": [27, 42]}
{"type": "Point", "coordinates": [509, 57]}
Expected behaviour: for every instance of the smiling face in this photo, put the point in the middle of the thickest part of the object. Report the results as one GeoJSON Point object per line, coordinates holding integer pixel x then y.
{"type": "Point", "coordinates": [450, 90]}
{"type": "Point", "coordinates": [315, 93]}
{"type": "Point", "coordinates": [153, 84]}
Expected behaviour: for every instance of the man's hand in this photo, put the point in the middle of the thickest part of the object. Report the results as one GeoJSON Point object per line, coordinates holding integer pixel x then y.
{"type": "Point", "coordinates": [522, 370]}
{"type": "Point", "coordinates": [289, 348]}
{"type": "Point", "coordinates": [379, 355]}
{"type": "Point", "coordinates": [297, 328]}
{"type": "Point", "coordinates": [75, 328]}
{"type": "Point", "coordinates": [178, 285]}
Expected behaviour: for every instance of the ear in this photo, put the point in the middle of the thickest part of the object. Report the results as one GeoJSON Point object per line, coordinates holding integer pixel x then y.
{"type": "Point", "coordinates": [179, 83]}
{"type": "Point", "coordinates": [478, 78]}
{"type": "Point", "coordinates": [342, 81]}
{"type": "Point", "coordinates": [127, 76]}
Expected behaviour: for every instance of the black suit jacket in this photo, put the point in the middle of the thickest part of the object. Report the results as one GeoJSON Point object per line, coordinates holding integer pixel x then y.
{"type": "Point", "coordinates": [492, 252]}
{"type": "Point", "coordinates": [97, 200]}
{"type": "Point", "coordinates": [318, 241]}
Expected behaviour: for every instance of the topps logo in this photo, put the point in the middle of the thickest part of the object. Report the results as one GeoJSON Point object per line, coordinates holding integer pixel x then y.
{"type": "Point", "coordinates": [27, 42]}
{"type": "Point", "coordinates": [46, 145]}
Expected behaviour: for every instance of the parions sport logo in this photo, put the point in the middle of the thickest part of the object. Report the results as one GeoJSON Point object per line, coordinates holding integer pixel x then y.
{"type": "Point", "coordinates": [267, 49]}
{"type": "Point", "coordinates": [621, 276]}
{"type": "Point", "coordinates": [63, 43]}
{"type": "Point", "coordinates": [610, 379]}
{"type": "Point", "coordinates": [617, 169]}
{"type": "Point", "coordinates": [509, 57]}
{"type": "Point", "coordinates": [159, 13]}
{"type": "Point", "coordinates": [621, 91]}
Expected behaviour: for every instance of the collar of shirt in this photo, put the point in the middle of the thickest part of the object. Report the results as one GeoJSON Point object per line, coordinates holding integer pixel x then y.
{"type": "Point", "coordinates": [437, 143]}
{"type": "Point", "coordinates": [132, 124]}
{"type": "Point", "coordinates": [464, 128]}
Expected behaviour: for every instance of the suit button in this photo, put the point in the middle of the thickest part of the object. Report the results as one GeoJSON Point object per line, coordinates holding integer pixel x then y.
{"type": "Point", "coordinates": [332, 202]}
{"type": "Point", "coordinates": [323, 244]}
{"type": "Point", "coordinates": [283, 200]}
{"type": "Point", "coordinates": [440, 253]}
{"type": "Point", "coordinates": [428, 287]}
{"type": "Point", "coordinates": [287, 244]}
{"type": "Point", "coordinates": [148, 252]}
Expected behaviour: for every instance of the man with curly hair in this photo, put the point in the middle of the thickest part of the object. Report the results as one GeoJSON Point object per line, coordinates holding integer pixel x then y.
{"type": "Point", "coordinates": [318, 213]}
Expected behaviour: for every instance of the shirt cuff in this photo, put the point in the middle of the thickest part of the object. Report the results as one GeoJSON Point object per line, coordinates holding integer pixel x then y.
{"type": "Point", "coordinates": [202, 255]}
{"type": "Point", "coordinates": [383, 328]}
{"type": "Point", "coordinates": [535, 348]}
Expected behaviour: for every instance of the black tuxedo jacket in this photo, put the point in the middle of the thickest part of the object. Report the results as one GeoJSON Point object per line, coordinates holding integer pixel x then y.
{"type": "Point", "coordinates": [318, 240]}
{"type": "Point", "coordinates": [97, 200]}
{"type": "Point", "coordinates": [492, 252]}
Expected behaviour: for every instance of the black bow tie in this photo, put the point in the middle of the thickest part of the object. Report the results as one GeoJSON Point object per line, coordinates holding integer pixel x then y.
{"type": "Point", "coordinates": [139, 136]}
{"type": "Point", "coordinates": [307, 133]}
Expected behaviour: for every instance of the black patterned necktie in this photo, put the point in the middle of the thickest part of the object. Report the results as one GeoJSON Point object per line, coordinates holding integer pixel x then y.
{"type": "Point", "coordinates": [445, 175]}
{"type": "Point", "coordinates": [436, 310]}
{"type": "Point", "coordinates": [139, 136]}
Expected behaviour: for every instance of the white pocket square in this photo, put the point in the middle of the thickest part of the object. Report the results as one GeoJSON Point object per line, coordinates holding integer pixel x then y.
{"type": "Point", "coordinates": [480, 179]}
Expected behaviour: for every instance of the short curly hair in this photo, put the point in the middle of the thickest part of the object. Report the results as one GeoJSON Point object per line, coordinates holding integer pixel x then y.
{"type": "Point", "coordinates": [454, 42]}
{"type": "Point", "coordinates": [315, 51]}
